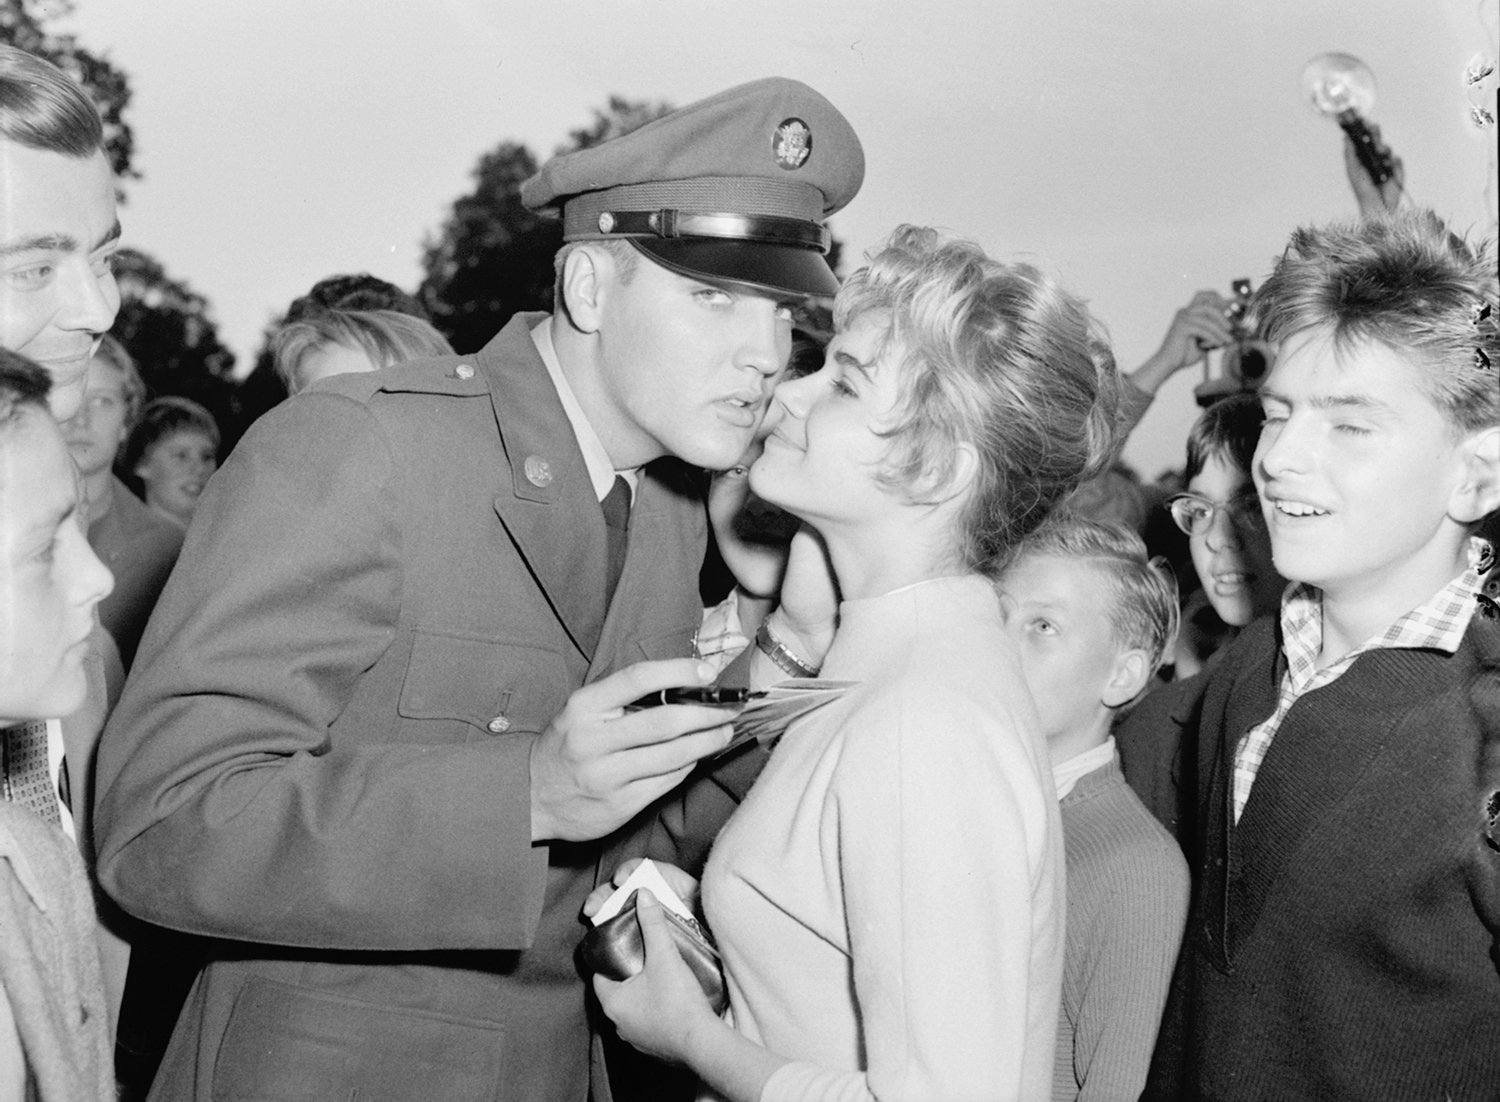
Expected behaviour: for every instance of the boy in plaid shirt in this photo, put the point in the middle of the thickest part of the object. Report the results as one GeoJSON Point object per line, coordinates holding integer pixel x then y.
{"type": "Point", "coordinates": [1343, 937]}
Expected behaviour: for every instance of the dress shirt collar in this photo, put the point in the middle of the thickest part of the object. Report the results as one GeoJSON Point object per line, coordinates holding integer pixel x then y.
{"type": "Point", "coordinates": [1065, 774]}
{"type": "Point", "coordinates": [1437, 624]}
{"type": "Point", "coordinates": [595, 458]}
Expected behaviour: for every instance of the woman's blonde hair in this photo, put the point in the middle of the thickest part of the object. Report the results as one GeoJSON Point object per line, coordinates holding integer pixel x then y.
{"type": "Point", "coordinates": [386, 336]}
{"type": "Point", "coordinates": [996, 355]}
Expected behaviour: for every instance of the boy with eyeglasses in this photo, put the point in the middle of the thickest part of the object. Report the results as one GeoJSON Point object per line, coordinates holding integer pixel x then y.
{"type": "Point", "coordinates": [1220, 515]}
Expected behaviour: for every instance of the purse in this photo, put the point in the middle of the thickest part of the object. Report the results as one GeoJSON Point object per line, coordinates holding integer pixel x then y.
{"type": "Point", "coordinates": [616, 949]}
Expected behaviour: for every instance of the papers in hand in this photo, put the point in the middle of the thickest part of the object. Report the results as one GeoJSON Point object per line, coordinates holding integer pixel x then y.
{"type": "Point", "coordinates": [767, 715]}
{"type": "Point", "coordinates": [648, 876]}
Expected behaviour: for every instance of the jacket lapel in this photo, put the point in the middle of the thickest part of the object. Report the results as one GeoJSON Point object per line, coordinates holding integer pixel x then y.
{"type": "Point", "coordinates": [548, 508]}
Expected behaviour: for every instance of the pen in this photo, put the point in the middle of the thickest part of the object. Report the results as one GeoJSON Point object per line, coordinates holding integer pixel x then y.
{"type": "Point", "coordinates": [711, 695]}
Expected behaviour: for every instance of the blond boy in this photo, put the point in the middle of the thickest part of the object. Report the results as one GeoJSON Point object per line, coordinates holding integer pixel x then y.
{"type": "Point", "coordinates": [1093, 618]}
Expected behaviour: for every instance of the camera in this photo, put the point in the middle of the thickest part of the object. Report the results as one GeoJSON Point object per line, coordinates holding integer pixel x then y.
{"type": "Point", "coordinates": [1244, 363]}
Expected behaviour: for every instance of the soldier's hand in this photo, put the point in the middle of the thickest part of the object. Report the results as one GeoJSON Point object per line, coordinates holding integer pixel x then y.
{"type": "Point", "coordinates": [597, 764]}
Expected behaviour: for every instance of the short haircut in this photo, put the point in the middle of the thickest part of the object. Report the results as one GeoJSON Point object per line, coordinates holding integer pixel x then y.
{"type": "Point", "coordinates": [386, 336]}
{"type": "Point", "coordinates": [162, 417]}
{"type": "Point", "coordinates": [23, 382]}
{"type": "Point", "coordinates": [112, 352]}
{"type": "Point", "coordinates": [41, 107]}
{"type": "Point", "coordinates": [996, 355]}
{"type": "Point", "coordinates": [1143, 610]}
{"type": "Point", "coordinates": [1405, 280]}
{"type": "Point", "coordinates": [1228, 431]}
{"type": "Point", "coordinates": [626, 257]}
{"type": "Point", "coordinates": [354, 291]}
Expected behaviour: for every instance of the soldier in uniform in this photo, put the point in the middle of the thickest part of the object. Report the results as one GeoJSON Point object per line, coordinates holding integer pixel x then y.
{"type": "Point", "coordinates": [375, 740]}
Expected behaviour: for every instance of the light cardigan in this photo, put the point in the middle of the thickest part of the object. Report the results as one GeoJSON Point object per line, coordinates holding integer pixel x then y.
{"type": "Point", "coordinates": [888, 899]}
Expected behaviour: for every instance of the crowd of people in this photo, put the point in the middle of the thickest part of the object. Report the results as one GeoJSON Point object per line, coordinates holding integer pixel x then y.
{"type": "Point", "coordinates": [319, 763]}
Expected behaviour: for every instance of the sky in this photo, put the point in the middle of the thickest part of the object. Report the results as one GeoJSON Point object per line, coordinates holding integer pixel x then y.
{"type": "Point", "coordinates": [1138, 149]}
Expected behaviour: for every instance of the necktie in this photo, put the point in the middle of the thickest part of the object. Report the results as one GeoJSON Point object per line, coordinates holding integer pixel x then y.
{"type": "Point", "coordinates": [28, 780]}
{"type": "Point", "coordinates": [616, 506]}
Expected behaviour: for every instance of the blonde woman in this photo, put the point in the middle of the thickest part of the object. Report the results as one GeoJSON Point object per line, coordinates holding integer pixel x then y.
{"type": "Point", "coordinates": [888, 899]}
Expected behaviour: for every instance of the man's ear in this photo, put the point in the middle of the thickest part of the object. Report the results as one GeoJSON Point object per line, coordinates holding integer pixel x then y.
{"type": "Point", "coordinates": [1478, 494]}
{"type": "Point", "coordinates": [585, 272]}
{"type": "Point", "coordinates": [1131, 672]}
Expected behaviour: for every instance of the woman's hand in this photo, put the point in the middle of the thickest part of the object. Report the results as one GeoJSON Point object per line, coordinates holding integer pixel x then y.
{"type": "Point", "coordinates": [661, 1010]}
{"type": "Point", "coordinates": [680, 882]}
{"type": "Point", "coordinates": [807, 616]}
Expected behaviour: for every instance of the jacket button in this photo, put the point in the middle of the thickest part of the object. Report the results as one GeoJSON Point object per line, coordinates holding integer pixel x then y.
{"type": "Point", "coordinates": [464, 371]}
{"type": "Point", "coordinates": [498, 726]}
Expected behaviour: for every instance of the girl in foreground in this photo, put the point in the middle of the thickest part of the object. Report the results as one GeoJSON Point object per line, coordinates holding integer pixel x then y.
{"type": "Point", "coordinates": [888, 898]}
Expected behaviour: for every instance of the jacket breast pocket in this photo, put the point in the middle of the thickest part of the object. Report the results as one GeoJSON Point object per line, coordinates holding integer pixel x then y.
{"type": "Point", "coordinates": [290, 1044]}
{"type": "Point", "coordinates": [457, 688]}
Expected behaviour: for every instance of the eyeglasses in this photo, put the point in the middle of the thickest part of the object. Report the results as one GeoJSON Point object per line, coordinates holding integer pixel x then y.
{"type": "Point", "coordinates": [1195, 515]}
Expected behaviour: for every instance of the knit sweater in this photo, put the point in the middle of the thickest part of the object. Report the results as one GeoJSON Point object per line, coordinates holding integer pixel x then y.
{"type": "Point", "coordinates": [888, 898]}
{"type": "Point", "coordinates": [1346, 932]}
{"type": "Point", "coordinates": [1127, 904]}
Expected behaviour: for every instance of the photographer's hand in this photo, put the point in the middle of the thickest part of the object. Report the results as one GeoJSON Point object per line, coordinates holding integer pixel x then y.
{"type": "Point", "coordinates": [1374, 198]}
{"type": "Point", "coordinates": [1200, 326]}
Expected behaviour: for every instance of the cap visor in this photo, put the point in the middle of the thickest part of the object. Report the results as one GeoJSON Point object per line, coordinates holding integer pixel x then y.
{"type": "Point", "coordinates": [782, 269]}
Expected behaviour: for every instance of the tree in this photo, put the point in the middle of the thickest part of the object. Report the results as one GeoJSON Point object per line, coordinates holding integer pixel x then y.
{"type": "Point", "coordinates": [620, 117]}
{"type": "Point", "coordinates": [166, 327]}
{"type": "Point", "coordinates": [493, 257]}
{"type": "Point", "coordinates": [21, 26]}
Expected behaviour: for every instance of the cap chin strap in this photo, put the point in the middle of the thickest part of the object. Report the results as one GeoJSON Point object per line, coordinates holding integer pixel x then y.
{"type": "Point", "coordinates": [766, 228]}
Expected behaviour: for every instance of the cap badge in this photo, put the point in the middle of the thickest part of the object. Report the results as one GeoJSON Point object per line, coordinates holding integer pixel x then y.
{"type": "Point", "coordinates": [792, 144]}
{"type": "Point", "coordinates": [538, 471]}
{"type": "Point", "coordinates": [606, 222]}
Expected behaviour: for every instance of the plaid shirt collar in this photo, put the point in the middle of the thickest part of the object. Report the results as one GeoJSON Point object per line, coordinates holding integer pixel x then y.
{"type": "Point", "coordinates": [1438, 624]}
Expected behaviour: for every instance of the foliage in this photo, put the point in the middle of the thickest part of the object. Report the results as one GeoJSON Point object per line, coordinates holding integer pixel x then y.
{"type": "Point", "coordinates": [21, 26]}
{"type": "Point", "coordinates": [620, 117]}
{"type": "Point", "coordinates": [493, 257]}
{"type": "Point", "coordinates": [166, 327]}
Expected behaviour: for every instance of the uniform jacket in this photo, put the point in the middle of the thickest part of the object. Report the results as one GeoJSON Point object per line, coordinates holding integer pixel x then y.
{"type": "Point", "coordinates": [321, 755]}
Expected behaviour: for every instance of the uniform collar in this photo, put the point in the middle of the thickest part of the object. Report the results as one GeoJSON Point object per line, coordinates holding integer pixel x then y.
{"type": "Point", "coordinates": [595, 458]}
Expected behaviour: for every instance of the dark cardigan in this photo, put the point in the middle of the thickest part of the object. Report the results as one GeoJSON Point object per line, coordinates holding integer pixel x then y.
{"type": "Point", "coordinates": [1343, 938]}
